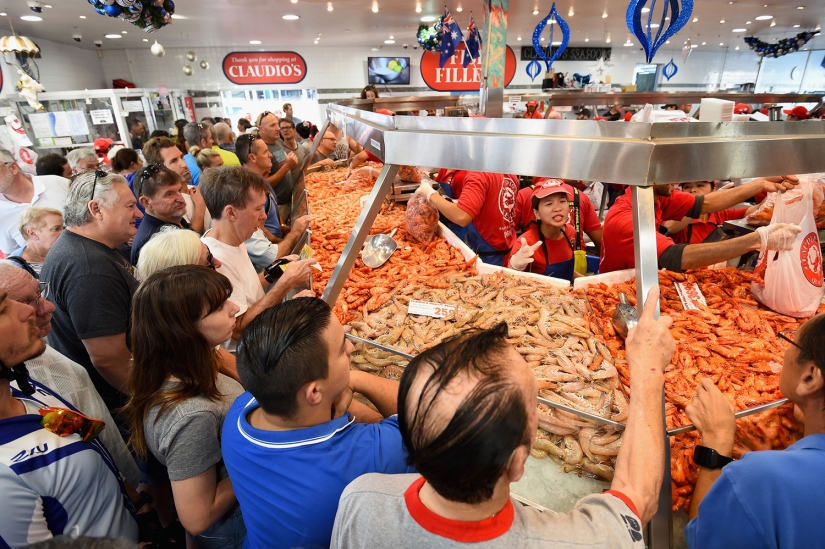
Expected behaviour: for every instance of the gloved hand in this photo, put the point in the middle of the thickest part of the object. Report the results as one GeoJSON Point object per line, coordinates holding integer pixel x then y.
{"type": "Point", "coordinates": [779, 237]}
{"type": "Point", "coordinates": [524, 255]}
{"type": "Point", "coordinates": [425, 189]}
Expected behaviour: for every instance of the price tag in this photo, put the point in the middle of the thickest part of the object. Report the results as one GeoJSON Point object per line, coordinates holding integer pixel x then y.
{"type": "Point", "coordinates": [427, 308]}
{"type": "Point", "coordinates": [690, 294]}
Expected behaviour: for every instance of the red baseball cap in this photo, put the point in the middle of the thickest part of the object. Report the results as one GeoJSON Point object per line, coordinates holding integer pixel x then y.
{"type": "Point", "coordinates": [532, 104]}
{"type": "Point", "coordinates": [547, 186]}
{"type": "Point", "coordinates": [799, 111]}
{"type": "Point", "coordinates": [386, 112]}
{"type": "Point", "coordinates": [102, 144]}
{"type": "Point", "coordinates": [741, 108]}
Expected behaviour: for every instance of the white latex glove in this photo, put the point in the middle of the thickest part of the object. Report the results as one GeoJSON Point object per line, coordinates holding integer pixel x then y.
{"type": "Point", "coordinates": [779, 237]}
{"type": "Point", "coordinates": [524, 255]}
{"type": "Point", "coordinates": [425, 189]}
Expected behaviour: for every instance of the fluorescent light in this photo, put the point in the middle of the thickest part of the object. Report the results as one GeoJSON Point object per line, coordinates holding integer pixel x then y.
{"type": "Point", "coordinates": [123, 32]}
{"type": "Point", "coordinates": [764, 17]}
{"type": "Point", "coordinates": [290, 17]}
{"type": "Point", "coordinates": [49, 6]}
{"type": "Point", "coordinates": [654, 25]}
{"type": "Point", "coordinates": [254, 42]}
{"type": "Point", "coordinates": [796, 26]}
{"type": "Point", "coordinates": [736, 48]}
{"type": "Point", "coordinates": [721, 43]}
{"type": "Point", "coordinates": [773, 23]}
{"type": "Point", "coordinates": [645, 10]}
{"type": "Point", "coordinates": [628, 43]}
{"type": "Point", "coordinates": [176, 16]}
{"type": "Point", "coordinates": [694, 45]}
{"type": "Point", "coordinates": [695, 19]}
{"type": "Point", "coordinates": [3, 14]}
{"type": "Point", "coordinates": [30, 18]}
{"type": "Point", "coordinates": [557, 43]}
{"type": "Point", "coordinates": [722, 21]}
{"type": "Point", "coordinates": [83, 17]}
{"type": "Point", "coordinates": [428, 19]}
{"type": "Point", "coordinates": [740, 30]}
{"type": "Point", "coordinates": [704, 43]}
{"type": "Point", "coordinates": [798, 7]}
{"type": "Point", "coordinates": [389, 41]}
{"type": "Point", "coordinates": [113, 36]}
{"type": "Point", "coordinates": [535, 12]}
{"type": "Point", "coordinates": [145, 39]}
{"type": "Point", "coordinates": [542, 39]}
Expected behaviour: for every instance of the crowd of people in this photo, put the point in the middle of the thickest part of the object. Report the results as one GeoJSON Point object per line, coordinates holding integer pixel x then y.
{"type": "Point", "coordinates": [157, 385]}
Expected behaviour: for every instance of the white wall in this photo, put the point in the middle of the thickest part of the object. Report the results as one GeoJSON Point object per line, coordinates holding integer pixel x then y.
{"type": "Point", "coordinates": [62, 68]}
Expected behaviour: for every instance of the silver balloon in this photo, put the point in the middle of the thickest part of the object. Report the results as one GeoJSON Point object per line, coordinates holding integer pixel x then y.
{"type": "Point", "coordinates": [204, 64]}
{"type": "Point", "coordinates": [686, 50]}
{"type": "Point", "coordinates": [191, 56]}
{"type": "Point", "coordinates": [187, 70]}
{"type": "Point", "coordinates": [157, 49]}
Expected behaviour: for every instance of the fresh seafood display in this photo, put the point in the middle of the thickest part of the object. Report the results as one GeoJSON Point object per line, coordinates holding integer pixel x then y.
{"type": "Point", "coordinates": [732, 341]}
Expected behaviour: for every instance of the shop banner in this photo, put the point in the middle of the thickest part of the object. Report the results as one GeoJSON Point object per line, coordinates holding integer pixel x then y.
{"type": "Point", "coordinates": [264, 67]}
{"type": "Point", "coordinates": [528, 53]}
{"type": "Point", "coordinates": [454, 76]}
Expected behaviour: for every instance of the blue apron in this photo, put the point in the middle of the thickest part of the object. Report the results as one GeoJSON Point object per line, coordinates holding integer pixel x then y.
{"type": "Point", "coordinates": [447, 187]}
{"type": "Point", "coordinates": [485, 252]}
{"type": "Point", "coordinates": [562, 269]}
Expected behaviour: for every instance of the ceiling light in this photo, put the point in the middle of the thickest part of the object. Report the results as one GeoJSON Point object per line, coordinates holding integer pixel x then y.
{"type": "Point", "coordinates": [389, 41]}
{"type": "Point", "coordinates": [587, 40]}
{"type": "Point", "coordinates": [418, 8]}
{"type": "Point", "coordinates": [30, 18]}
{"type": "Point", "coordinates": [519, 38]}
{"type": "Point", "coordinates": [392, 37]}
{"type": "Point", "coordinates": [796, 26]}
{"type": "Point", "coordinates": [176, 16]}
{"type": "Point", "coordinates": [83, 17]}
{"type": "Point", "coordinates": [667, 42]}
{"type": "Point", "coordinates": [113, 36]}
{"type": "Point", "coordinates": [123, 32]}
{"type": "Point", "coordinates": [695, 19]}
{"type": "Point", "coordinates": [329, 6]}
{"type": "Point", "coordinates": [721, 43]}
{"type": "Point", "coordinates": [428, 19]}
{"type": "Point", "coordinates": [694, 45]}
{"type": "Point", "coordinates": [654, 25]}
{"type": "Point", "coordinates": [49, 6]}
{"type": "Point", "coordinates": [736, 48]}
{"type": "Point", "coordinates": [773, 23]}
{"type": "Point", "coordinates": [608, 40]}
{"type": "Point", "coordinates": [374, 49]}
{"type": "Point", "coordinates": [704, 43]}
{"type": "Point", "coordinates": [254, 42]}
{"type": "Point", "coordinates": [290, 17]}
{"type": "Point", "coordinates": [764, 17]}
{"type": "Point", "coordinates": [740, 30]}
{"type": "Point", "coordinates": [3, 14]}
{"type": "Point", "coordinates": [748, 22]}
{"type": "Point", "coordinates": [375, 8]}
{"type": "Point", "coordinates": [645, 10]}
{"type": "Point", "coordinates": [557, 43]}
{"type": "Point", "coordinates": [798, 7]}
{"type": "Point", "coordinates": [294, 1]}
{"type": "Point", "coordinates": [145, 39]}
{"type": "Point", "coordinates": [604, 15]}
{"type": "Point", "coordinates": [535, 12]}
{"type": "Point", "coordinates": [542, 39]}
{"type": "Point", "coordinates": [628, 43]}
{"type": "Point", "coordinates": [570, 13]}
{"type": "Point", "coordinates": [459, 9]}
{"type": "Point", "coordinates": [722, 21]}
{"type": "Point", "coordinates": [667, 18]}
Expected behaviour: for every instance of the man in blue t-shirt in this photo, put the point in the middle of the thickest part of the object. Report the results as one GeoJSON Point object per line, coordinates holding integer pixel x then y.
{"type": "Point", "coordinates": [767, 499]}
{"type": "Point", "coordinates": [295, 440]}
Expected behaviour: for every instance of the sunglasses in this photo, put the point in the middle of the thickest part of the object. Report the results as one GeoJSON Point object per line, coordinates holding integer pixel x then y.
{"type": "Point", "coordinates": [210, 259]}
{"type": "Point", "coordinates": [98, 173]}
{"type": "Point", "coordinates": [788, 335]}
{"type": "Point", "coordinates": [150, 171]}
{"type": "Point", "coordinates": [42, 293]}
{"type": "Point", "coordinates": [64, 422]}
{"type": "Point", "coordinates": [262, 116]}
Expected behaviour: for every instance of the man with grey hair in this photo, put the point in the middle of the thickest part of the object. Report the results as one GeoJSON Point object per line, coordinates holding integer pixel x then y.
{"type": "Point", "coordinates": [225, 144]}
{"type": "Point", "coordinates": [83, 160]}
{"type": "Point", "coordinates": [196, 135]}
{"type": "Point", "coordinates": [19, 191]}
{"type": "Point", "coordinates": [91, 284]}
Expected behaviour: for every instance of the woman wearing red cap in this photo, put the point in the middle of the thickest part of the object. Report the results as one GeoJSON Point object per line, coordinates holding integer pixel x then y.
{"type": "Point", "coordinates": [547, 246]}
{"type": "Point", "coordinates": [533, 111]}
{"type": "Point", "coordinates": [797, 113]}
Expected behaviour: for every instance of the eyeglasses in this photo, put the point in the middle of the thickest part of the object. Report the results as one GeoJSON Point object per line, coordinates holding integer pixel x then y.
{"type": "Point", "coordinates": [789, 338]}
{"type": "Point", "coordinates": [286, 127]}
{"type": "Point", "coordinates": [64, 422]}
{"type": "Point", "coordinates": [42, 292]}
{"type": "Point", "coordinates": [210, 259]}
{"type": "Point", "coordinates": [98, 173]}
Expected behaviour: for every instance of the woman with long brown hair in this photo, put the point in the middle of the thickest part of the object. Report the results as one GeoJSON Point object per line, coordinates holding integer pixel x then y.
{"type": "Point", "coordinates": [179, 400]}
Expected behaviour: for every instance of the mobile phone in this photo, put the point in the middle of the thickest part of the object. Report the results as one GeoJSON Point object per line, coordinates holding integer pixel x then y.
{"type": "Point", "coordinates": [275, 270]}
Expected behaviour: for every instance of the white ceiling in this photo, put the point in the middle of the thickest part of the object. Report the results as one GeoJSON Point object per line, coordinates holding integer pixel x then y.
{"type": "Point", "coordinates": [352, 22]}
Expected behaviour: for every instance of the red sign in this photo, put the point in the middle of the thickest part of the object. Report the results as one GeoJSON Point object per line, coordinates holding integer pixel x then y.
{"type": "Point", "coordinates": [811, 258]}
{"type": "Point", "coordinates": [190, 107]}
{"type": "Point", "coordinates": [454, 76]}
{"type": "Point", "coordinates": [264, 67]}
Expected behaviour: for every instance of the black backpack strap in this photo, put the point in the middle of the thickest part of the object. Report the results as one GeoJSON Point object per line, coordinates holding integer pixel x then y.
{"type": "Point", "coordinates": [24, 265]}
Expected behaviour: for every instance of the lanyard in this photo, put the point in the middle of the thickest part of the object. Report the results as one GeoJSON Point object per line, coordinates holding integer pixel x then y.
{"type": "Point", "coordinates": [576, 219]}
{"type": "Point", "coordinates": [544, 245]}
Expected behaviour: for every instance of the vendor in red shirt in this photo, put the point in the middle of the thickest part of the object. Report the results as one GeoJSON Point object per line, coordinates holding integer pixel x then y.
{"type": "Point", "coordinates": [532, 111]}
{"type": "Point", "coordinates": [588, 219]}
{"type": "Point", "coordinates": [673, 205]}
{"type": "Point", "coordinates": [706, 228]}
{"type": "Point", "coordinates": [486, 207]}
{"type": "Point", "coordinates": [547, 245]}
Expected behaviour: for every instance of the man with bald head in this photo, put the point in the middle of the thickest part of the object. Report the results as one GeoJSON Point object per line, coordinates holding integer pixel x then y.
{"type": "Point", "coordinates": [467, 414]}
{"type": "Point", "coordinates": [58, 372]}
{"type": "Point", "coordinates": [326, 146]}
{"type": "Point", "coordinates": [225, 144]}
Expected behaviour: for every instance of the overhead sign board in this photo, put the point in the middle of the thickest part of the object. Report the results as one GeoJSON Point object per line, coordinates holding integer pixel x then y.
{"type": "Point", "coordinates": [264, 67]}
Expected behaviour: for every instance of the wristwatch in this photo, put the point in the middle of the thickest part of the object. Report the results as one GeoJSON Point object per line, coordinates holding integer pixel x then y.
{"type": "Point", "coordinates": [709, 458]}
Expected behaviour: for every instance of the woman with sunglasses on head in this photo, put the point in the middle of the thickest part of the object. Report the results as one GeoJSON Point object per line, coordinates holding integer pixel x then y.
{"type": "Point", "coordinates": [766, 498]}
{"type": "Point", "coordinates": [179, 398]}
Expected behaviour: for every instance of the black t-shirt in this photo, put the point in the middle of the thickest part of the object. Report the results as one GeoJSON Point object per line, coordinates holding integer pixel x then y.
{"type": "Point", "coordinates": [147, 229]}
{"type": "Point", "coordinates": [91, 286]}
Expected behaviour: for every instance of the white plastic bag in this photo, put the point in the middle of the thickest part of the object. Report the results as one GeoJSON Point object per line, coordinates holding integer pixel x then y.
{"type": "Point", "coordinates": [793, 279]}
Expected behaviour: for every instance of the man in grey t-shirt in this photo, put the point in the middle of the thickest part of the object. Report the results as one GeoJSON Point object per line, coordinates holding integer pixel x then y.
{"type": "Point", "coordinates": [467, 415]}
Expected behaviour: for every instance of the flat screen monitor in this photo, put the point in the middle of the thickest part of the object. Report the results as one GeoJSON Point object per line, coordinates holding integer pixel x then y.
{"type": "Point", "coordinates": [388, 70]}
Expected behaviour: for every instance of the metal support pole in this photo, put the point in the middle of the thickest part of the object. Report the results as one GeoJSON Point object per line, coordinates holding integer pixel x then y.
{"type": "Point", "coordinates": [603, 205]}
{"type": "Point", "coordinates": [359, 234]}
{"type": "Point", "coordinates": [315, 144]}
{"type": "Point", "coordinates": [647, 276]}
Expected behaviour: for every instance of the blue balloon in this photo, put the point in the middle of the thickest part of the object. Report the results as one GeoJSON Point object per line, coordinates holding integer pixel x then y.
{"type": "Point", "coordinates": [113, 10]}
{"type": "Point", "coordinates": [101, 11]}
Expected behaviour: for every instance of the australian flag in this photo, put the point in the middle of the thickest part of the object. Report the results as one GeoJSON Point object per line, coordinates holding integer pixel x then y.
{"type": "Point", "coordinates": [451, 37]}
{"type": "Point", "coordinates": [473, 42]}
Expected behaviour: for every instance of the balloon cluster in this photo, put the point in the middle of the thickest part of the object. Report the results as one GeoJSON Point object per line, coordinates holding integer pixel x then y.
{"type": "Point", "coordinates": [149, 15]}
{"type": "Point", "coordinates": [783, 47]}
{"type": "Point", "coordinates": [430, 37]}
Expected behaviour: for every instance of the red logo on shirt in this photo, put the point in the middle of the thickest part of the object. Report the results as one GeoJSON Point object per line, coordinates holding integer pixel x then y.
{"type": "Point", "coordinates": [811, 259]}
{"type": "Point", "coordinates": [507, 199]}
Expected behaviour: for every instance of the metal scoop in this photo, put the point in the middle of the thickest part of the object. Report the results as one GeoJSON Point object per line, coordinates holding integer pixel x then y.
{"type": "Point", "coordinates": [378, 250]}
{"type": "Point", "coordinates": [625, 316]}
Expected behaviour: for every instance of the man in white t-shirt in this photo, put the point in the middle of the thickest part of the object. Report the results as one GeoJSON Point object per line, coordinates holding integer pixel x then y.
{"type": "Point", "coordinates": [236, 198]}
{"type": "Point", "coordinates": [18, 191]}
{"type": "Point", "coordinates": [467, 415]}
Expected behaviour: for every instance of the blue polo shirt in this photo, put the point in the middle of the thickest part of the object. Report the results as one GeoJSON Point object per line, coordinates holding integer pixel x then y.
{"type": "Point", "coordinates": [147, 230]}
{"type": "Point", "coordinates": [767, 499]}
{"type": "Point", "coordinates": [193, 168]}
{"type": "Point", "coordinates": [288, 482]}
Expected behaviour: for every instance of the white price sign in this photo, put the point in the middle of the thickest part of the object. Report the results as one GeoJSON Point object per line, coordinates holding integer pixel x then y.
{"type": "Point", "coordinates": [427, 308]}
{"type": "Point", "coordinates": [101, 116]}
{"type": "Point", "coordinates": [513, 99]}
{"type": "Point", "coordinates": [690, 294]}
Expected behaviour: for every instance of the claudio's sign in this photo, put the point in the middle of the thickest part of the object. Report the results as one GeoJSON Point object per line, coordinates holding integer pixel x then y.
{"type": "Point", "coordinates": [264, 67]}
